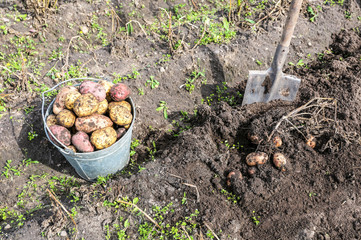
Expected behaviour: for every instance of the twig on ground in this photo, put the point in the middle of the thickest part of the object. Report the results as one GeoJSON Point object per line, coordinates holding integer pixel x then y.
{"type": "Point", "coordinates": [53, 196]}
{"type": "Point", "coordinates": [68, 50]}
{"type": "Point", "coordinates": [140, 25]}
{"type": "Point", "coordinates": [140, 210]}
{"type": "Point", "coordinates": [204, 31]}
{"type": "Point", "coordinates": [195, 6]}
{"type": "Point", "coordinates": [200, 235]}
{"type": "Point", "coordinates": [185, 231]}
{"type": "Point", "coordinates": [170, 33]}
{"type": "Point", "coordinates": [210, 229]}
{"type": "Point", "coordinates": [193, 186]}
{"type": "Point", "coordinates": [269, 14]}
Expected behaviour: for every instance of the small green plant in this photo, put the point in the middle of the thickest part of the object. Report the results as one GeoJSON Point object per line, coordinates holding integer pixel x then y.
{"type": "Point", "coordinates": [311, 13]}
{"type": "Point", "coordinates": [153, 83]}
{"type": "Point", "coordinates": [348, 14]}
{"type": "Point", "coordinates": [259, 63]}
{"type": "Point", "coordinates": [8, 169]}
{"type": "Point", "coordinates": [140, 91]}
{"type": "Point", "coordinates": [312, 194]}
{"type": "Point", "coordinates": [163, 107]}
{"type": "Point", "coordinates": [255, 218]}
{"type": "Point", "coordinates": [31, 135]}
{"type": "Point", "coordinates": [195, 76]}
{"type": "Point", "coordinates": [184, 199]}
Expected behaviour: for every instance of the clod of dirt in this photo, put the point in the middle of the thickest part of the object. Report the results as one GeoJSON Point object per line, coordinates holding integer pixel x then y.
{"type": "Point", "coordinates": [251, 171]}
{"type": "Point", "coordinates": [255, 139]}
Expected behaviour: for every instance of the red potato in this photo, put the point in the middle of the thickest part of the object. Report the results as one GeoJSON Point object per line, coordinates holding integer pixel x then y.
{"type": "Point", "coordinates": [93, 122]}
{"type": "Point", "coordinates": [61, 133]}
{"type": "Point", "coordinates": [81, 141]}
{"type": "Point", "coordinates": [59, 103]}
{"type": "Point", "coordinates": [120, 132]}
{"type": "Point", "coordinates": [94, 88]}
{"type": "Point", "coordinates": [119, 92]}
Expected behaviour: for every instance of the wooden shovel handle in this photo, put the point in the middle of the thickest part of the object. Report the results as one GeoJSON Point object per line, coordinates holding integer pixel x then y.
{"type": "Point", "coordinates": [291, 21]}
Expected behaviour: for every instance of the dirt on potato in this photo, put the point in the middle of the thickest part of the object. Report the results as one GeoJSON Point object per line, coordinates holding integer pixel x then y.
{"type": "Point", "coordinates": [187, 177]}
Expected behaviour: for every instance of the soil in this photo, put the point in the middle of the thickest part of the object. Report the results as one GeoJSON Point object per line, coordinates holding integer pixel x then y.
{"type": "Point", "coordinates": [185, 166]}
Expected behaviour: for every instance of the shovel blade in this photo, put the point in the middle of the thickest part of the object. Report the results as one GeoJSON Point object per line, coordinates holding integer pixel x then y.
{"type": "Point", "coordinates": [285, 88]}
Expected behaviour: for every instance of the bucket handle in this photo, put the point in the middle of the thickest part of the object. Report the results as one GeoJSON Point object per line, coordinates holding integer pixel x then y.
{"type": "Point", "coordinates": [66, 149]}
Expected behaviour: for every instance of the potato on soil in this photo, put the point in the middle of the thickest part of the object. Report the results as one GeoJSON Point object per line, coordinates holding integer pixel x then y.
{"type": "Point", "coordinates": [107, 86]}
{"type": "Point", "coordinates": [280, 161]}
{"type": "Point", "coordinates": [70, 98]}
{"type": "Point", "coordinates": [93, 122]}
{"type": "Point", "coordinates": [81, 141]}
{"type": "Point", "coordinates": [66, 118]}
{"type": "Point", "coordinates": [120, 115]}
{"type": "Point", "coordinates": [103, 138]}
{"type": "Point", "coordinates": [59, 103]}
{"type": "Point", "coordinates": [120, 132]}
{"type": "Point", "coordinates": [254, 138]}
{"type": "Point", "coordinates": [277, 141]}
{"type": "Point", "coordinates": [121, 103]}
{"type": "Point", "coordinates": [86, 105]}
{"type": "Point", "coordinates": [119, 92]}
{"type": "Point", "coordinates": [102, 107]}
{"type": "Point", "coordinates": [51, 120]}
{"type": "Point", "coordinates": [61, 133]}
{"type": "Point", "coordinates": [94, 88]}
{"type": "Point", "coordinates": [233, 176]}
{"type": "Point", "coordinates": [311, 141]}
{"type": "Point", "coordinates": [255, 158]}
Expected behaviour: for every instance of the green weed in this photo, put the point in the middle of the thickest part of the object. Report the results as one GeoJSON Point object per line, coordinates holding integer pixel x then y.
{"type": "Point", "coordinates": [163, 108]}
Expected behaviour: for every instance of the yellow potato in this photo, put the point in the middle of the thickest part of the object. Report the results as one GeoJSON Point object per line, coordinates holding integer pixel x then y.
{"type": "Point", "coordinates": [121, 103]}
{"type": "Point", "coordinates": [103, 107]}
{"type": "Point", "coordinates": [107, 85]}
{"type": "Point", "coordinates": [86, 105]}
{"type": "Point", "coordinates": [51, 120]}
{"type": "Point", "coordinates": [103, 138]}
{"type": "Point", "coordinates": [66, 118]}
{"type": "Point", "coordinates": [120, 115]}
{"type": "Point", "coordinates": [70, 98]}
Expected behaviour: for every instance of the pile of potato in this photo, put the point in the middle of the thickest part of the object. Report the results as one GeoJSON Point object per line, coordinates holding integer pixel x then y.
{"type": "Point", "coordinates": [90, 117]}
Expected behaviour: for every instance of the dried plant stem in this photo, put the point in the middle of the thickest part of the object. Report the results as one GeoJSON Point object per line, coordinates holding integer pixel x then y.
{"type": "Point", "coordinates": [53, 196]}
{"type": "Point", "coordinates": [140, 210]}
{"type": "Point", "coordinates": [210, 229]}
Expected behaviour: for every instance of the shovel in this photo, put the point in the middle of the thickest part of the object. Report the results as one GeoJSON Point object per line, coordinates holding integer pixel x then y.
{"type": "Point", "coordinates": [264, 86]}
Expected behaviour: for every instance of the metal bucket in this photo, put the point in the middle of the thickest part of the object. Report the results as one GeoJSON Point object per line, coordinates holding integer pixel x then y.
{"type": "Point", "coordinates": [98, 163]}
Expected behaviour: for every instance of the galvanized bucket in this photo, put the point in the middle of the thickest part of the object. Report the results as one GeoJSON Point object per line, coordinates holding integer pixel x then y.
{"type": "Point", "coordinates": [99, 163]}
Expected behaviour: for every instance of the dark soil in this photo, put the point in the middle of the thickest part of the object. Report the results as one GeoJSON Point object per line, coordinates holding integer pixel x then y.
{"type": "Point", "coordinates": [186, 167]}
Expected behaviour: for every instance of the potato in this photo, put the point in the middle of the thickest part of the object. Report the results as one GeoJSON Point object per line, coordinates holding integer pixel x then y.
{"type": "Point", "coordinates": [311, 141]}
{"type": "Point", "coordinates": [280, 161]}
{"type": "Point", "coordinates": [127, 126]}
{"type": "Point", "coordinates": [103, 138]}
{"type": "Point", "coordinates": [61, 133]}
{"type": "Point", "coordinates": [59, 103]}
{"type": "Point", "coordinates": [120, 132]}
{"type": "Point", "coordinates": [255, 158]}
{"type": "Point", "coordinates": [81, 141]}
{"type": "Point", "coordinates": [120, 115]}
{"type": "Point", "coordinates": [51, 120]}
{"type": "Point", "coordinates": [86, 105]}
{"type": "Point", "coordinates": [94, 88]}
{"type": "Point", "coordinates": [72, 148]}
{"type": "Point", "coordinates": [277, 141]}
{"type": "Point", "coordinates": [233, 176]}
{"type": "Point", "coordinates": [70, 98]}
{"type": "Point", "coordinates": [119, 92]}
{"type": "Point", "coordinates": [66, 118]}
{"type": "Point", "coordinates": [103, 107]}
{"type": "Point", "coordinates": [93, 122]}
{"type": "Point", "coordinates": [254, 138]}
{"type": "Point", "coordinates": [121, 103]}
{"type": "Point", "coordinates": [107, 86]}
